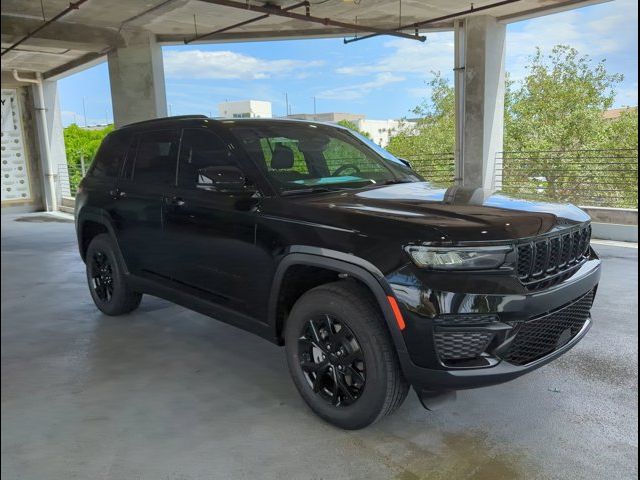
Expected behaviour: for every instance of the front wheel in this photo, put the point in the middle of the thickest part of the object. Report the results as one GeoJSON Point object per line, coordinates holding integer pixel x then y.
{"type": "Point", "coordinates": [106, 278]}
{"type": "Point", "coordinates": [341, 357]}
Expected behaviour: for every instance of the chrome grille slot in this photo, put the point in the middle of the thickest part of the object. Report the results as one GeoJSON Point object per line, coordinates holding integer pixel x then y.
{"type": "Point", "coordinates": [547, 261]}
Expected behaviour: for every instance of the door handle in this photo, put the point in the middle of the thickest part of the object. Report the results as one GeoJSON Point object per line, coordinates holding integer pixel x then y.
{"type": "Point", "coordinates": [176, 201]}
{"type": "Point", "coordinates": [117, 193]}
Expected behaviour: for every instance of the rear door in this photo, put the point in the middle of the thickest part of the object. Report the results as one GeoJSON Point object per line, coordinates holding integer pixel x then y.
{"type": "Point", "coordinates": [98, 187]}
{"type": "Point", "coordinates": [149, 173]}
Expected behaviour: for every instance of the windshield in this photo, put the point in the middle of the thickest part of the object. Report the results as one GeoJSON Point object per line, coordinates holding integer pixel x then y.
{"type": "Point", "coordinates": [310, 157]}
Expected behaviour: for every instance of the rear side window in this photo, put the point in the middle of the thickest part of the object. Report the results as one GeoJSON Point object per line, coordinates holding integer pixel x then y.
{"type": "Point", "coordinates": [156, 156]}
{"type": "Point", "coordinates": [111, 153]}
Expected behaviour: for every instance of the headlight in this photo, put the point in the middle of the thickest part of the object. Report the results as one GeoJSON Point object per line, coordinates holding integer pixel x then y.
{"type": "Point", "coordinates": [459, 258]}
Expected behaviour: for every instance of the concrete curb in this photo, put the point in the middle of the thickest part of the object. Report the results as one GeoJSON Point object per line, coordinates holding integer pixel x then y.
{"type": "Point", "coordinates": [615, 231]}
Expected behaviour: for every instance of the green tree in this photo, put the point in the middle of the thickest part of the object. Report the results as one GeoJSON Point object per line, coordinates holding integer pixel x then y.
{"type": "Point", "coordinates": [557, 142]}
{"type": "Point", "coordinates": [429, 142]}
{"type": "Point", "coordinates": [81, 143]}
{"type": "Point", "coordinates": [556, 133]}
{"type": "Point", "coordinates": [560, 102]}
{"type": "Point", "coordinates": [352, 126]}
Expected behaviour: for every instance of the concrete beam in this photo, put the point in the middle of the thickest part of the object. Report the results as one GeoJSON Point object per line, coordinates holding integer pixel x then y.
{"type": "Point", "coordinates": [550, 9]}
{"type": "Point", "coordinates": [72, 36]}
{"type": "Point", "coordinates": [136, 75]}
{"type": "Point", "coordinates": [79, 64]}
{"type": "Point", "coordinates": [481, 100]}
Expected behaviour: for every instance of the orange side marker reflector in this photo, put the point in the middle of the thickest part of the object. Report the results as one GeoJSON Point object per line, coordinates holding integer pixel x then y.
{"type": "Point", "coordinates": [396, 312]}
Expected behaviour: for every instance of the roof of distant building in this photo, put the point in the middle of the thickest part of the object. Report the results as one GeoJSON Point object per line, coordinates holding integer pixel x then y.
{"type": "Point", "coordinates": [616, 112]}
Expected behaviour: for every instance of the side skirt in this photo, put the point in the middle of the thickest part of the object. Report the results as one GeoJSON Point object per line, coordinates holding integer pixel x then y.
{"type": "Point", "coordinates": [200, 305]}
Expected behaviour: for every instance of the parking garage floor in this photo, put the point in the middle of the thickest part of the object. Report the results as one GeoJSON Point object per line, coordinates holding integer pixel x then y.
{"type": "Point", "coordinates": [165, 393]}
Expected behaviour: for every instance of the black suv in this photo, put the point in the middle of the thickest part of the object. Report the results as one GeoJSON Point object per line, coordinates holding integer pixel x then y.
{"type": "Point", "coordinates": [315, 238]}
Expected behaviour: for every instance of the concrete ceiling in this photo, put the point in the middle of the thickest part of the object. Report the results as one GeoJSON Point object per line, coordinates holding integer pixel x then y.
{"type": "Point", "coordinates": [83, 36]}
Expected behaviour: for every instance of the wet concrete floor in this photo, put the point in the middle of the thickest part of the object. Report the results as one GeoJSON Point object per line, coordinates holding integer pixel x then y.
{"type": "Point", "coordinates": [165, 393]}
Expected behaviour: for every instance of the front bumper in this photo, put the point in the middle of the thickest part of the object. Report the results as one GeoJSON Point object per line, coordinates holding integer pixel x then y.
{"type": "Point", "coordinates": [423, 308]}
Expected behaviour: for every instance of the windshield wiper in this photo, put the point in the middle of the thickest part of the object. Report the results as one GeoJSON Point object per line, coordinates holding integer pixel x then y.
{"type": "Point", "coordinates": [395, 182]}
{"type": "Point", "coordinates": [309, 190]}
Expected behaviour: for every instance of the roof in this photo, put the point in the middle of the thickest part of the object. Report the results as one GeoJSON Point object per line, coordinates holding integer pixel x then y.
{"type": "Point", "coordinates": [614, 113]}
{"type": "Point", "coordinates": [83, 36]}
{"type": "Point", "coordinates": [259, 122]}
{"type": "Point", "coordinates": [161, 120]}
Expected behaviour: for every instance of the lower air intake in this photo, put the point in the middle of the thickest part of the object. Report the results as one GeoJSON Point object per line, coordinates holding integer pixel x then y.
{"type": "Point", "coordinates": [539, 337]}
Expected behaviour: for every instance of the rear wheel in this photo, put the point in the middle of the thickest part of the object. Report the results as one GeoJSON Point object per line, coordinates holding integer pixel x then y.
{"type": "Point", "coordinates": [341, 357]}
{"type": "Point", "coordinates": [106, 279]}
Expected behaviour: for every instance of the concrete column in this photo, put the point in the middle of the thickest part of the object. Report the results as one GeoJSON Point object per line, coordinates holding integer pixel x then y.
{"type": "Point", "coordinates": [50, 141]}
{"type": "Point", "coordinates": [57, 152]}
{"type": "Point", "coordinates": [136, 76]}
{"type": "Point", "coordinates": [481, 100]}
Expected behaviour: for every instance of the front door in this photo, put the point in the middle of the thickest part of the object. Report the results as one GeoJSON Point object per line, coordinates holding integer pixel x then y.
{"type": "Point", "coordinates": [212, 232]}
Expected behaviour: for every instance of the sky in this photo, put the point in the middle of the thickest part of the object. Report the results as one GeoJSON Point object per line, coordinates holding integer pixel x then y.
{"type": "Point", "coordinates": [383, 77]}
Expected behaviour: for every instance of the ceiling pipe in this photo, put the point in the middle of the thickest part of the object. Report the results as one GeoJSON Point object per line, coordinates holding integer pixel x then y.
{"type": "Point", "coordinates": [424, 23]}
{"type": "Point", "coordinates": [327, 22]}
{"type": "Point", "coordinates": [72, 6]}
{"type": "Point", "coordinates": [241, 24]}
{"type": "Point", "coordinates": [50, 196]}
{"type": "Point", "coordinates": [18, 78]}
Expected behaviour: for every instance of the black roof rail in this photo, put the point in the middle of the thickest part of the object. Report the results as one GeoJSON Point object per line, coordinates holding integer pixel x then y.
{"type": "Point", "coordinates": [163, 119]}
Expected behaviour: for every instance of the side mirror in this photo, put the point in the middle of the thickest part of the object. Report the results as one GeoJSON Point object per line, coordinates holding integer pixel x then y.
{"type": "Point", "coordinates": [406, 162]}
{"type": "Point", "coordinates": [224, 179]}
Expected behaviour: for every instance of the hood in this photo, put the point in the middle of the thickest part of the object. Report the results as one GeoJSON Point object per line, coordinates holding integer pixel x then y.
{"type": "Point", "coordinates": [455, 214]}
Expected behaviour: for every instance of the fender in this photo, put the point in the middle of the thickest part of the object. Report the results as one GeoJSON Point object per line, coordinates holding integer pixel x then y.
{"type": "Point", "coordinates": [104, 219]}
{"type": "Point", "coordinates": [339, 262]}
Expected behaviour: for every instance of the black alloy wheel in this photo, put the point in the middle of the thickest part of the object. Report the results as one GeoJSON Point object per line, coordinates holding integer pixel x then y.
{"type": "Point", "coordinates": [102, 276]}
{"type": "Point", "coordinates": [332, 360]}
{"type": "Point", "coordinates": [106, 279]}
{"type": "Point", "coordinates": [341, 356]}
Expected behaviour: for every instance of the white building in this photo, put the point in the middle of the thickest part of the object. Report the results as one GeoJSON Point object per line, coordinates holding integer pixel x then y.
{"type": "Point", "coordinates": [380, 131]}
{"type": "Point", "coordinates": [331, 117]}
{"type": "Point", "coordinates": [245, 109]}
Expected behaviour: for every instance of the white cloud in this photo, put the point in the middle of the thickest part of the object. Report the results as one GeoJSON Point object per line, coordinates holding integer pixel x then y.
{"type": "Point", "coordinates": [627, 96]}
{"type": "Point", "coordinates": [612, 33]}
{"type": "Point", "coordinates": [359, 90]}
{"type": "Point", "coordinates": [227, 65]}
{"type": "Point", "coordinates": [407, 56]}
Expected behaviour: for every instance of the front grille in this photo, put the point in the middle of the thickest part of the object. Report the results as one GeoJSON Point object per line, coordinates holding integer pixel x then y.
{"type": "Point", "coordinates": [461, 345]}
{"type": "Point", "coordinates": [545, 262]}
{"type": "Point", "coordinates": [475, 319]}
{"type": "Point", "coordinates": [541, 336]}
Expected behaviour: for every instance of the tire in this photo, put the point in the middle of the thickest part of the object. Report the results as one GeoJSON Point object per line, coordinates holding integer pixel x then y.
{"type": "Point", "coordinates": [375, 387]}
{"type": "Point", "coordinates": [106, 278]}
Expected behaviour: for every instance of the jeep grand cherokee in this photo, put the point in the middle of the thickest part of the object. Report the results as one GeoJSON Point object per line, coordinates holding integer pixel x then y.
{"type": "Point", "coordinates": [315, 238]}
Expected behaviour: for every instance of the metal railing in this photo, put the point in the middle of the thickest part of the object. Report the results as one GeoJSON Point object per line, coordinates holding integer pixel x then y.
{"type": "Point", "coordinates": [438, 168]}
{"type": "Point", "coordinates": [599, 178]}
{"type": "Point", "coordinates": [69, 177]}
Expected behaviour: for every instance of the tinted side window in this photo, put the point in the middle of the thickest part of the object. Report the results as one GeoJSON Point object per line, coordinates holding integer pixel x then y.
{"type": "Point", "coordinates": [109, 158]}
{"type": "Point", "coordinates": [201, 149]}
{"type": "Point", "coordinates": [155, 161]}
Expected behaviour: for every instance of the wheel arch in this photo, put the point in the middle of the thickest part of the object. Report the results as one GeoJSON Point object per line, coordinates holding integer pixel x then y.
{"type": "Point", "coordinates": [92, 223]}
{"type": "Point", "coordinates": [341, 264]}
